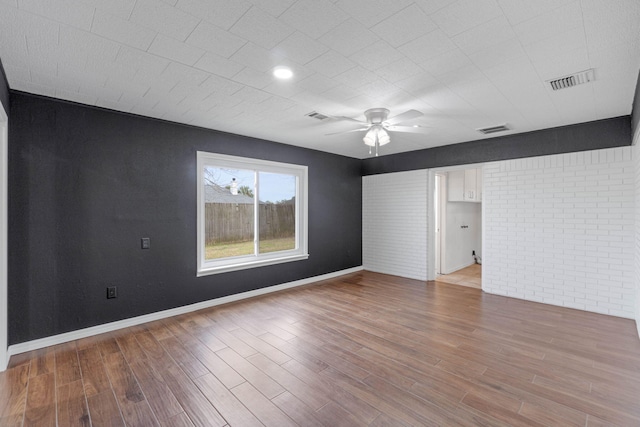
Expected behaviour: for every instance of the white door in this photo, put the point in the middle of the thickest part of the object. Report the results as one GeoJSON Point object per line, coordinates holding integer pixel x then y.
{"type": "Point", "coordinates": [4, 183]}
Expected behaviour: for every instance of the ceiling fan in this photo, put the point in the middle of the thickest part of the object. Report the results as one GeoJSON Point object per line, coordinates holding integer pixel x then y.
{"type": "Point", "coordinates": [378, 124]}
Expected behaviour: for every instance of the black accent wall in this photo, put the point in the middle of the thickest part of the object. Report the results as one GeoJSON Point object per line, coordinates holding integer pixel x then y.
{"type": "Point", "coordinates": [87, 184]}
{"type": "Point", "coordinates": [4, 89]}
{"type": "Point", "coordinates": [635, 109]}
{"type": "Point", "coordinates": [595, 135]}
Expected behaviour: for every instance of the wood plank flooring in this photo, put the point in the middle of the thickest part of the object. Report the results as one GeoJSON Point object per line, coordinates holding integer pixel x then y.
{"type": "Point", "coordinates": [364, 349]}
{"type": "Point", "coordinates": [469, 276]}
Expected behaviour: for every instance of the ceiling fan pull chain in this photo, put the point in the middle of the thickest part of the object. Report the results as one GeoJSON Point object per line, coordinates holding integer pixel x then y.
{"type": "Point", "coordinates": [377, 145]}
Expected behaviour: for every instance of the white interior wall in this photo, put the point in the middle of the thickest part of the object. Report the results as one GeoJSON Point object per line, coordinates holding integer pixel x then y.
{"type": "Point", "coordinates": [636, 162]}
{"type": "Point", "coordinates": [4, 199]}
{"type": "Point", "coordinates": [462, 241]}
{"type": "Point", "coordinates": [560, 230]}
{"type": "Point", "coordinates": [395, 223]}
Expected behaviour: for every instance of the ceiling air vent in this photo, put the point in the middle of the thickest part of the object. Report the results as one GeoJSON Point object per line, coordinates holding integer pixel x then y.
{"type": "Point", "coordinates": [317, 115]}
{"type": "Point", "coordinates": [494, 129]}
{"type": "Point", "coordinates": [572, 80]}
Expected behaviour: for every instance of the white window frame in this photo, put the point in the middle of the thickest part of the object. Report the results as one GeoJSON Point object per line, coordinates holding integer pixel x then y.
{"type": "Point", "coordinates": [223, 265]}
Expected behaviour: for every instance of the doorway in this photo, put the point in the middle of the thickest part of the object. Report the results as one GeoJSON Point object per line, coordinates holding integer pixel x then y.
{"type": "Point", "coordinates": [457, 238]}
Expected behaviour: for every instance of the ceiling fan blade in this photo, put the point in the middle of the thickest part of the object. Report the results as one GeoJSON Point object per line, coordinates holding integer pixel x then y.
{"type": "Point", "coordinates": [347, 119]}
{"type": "Point", "coordinates": [347, 131]}
{"type": "Point", "coordinates": [409, 129]}
{"type": "Point", "coordinates": [403, 117]}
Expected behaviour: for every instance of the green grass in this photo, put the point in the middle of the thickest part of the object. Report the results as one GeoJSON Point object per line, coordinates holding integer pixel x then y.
{"type": "Point", "coordinates": [225, 250]}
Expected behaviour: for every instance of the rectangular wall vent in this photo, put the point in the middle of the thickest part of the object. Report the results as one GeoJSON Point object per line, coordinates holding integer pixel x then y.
{"type": "Point", "coordinates": [316, 115]}
{"type": "Point", "coordinates": [494, 129]}
{"type": "Point", "coordinates": [572, 80]}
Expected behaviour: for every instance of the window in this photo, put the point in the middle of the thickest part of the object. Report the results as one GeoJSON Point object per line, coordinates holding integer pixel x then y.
{"type": "Point", "coordinates": [250, 213]}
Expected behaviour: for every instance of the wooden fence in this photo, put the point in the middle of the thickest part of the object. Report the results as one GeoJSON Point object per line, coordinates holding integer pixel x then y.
{"type": "Point", "coordinates": [228, 222]}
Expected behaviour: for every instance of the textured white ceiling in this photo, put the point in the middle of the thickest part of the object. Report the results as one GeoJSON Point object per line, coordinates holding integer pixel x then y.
{"type": "Point", "coordinates": [465, 64]}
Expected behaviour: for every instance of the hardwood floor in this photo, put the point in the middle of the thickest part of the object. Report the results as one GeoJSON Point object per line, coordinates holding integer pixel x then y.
{"type": "Point", "coordinates": [469, 276]}
{"type": "Point", "coordinates": [363, 349]}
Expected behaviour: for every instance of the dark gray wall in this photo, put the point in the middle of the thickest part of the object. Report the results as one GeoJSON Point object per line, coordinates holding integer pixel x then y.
{"type": "Point", "coordinates": [4, 89]}
{"type": "Point", "coordinates": [635, 109]}
{"type": "Point", "coordinates": [595, 135]}
{"type": "Point", "coordinates": [86, 184]}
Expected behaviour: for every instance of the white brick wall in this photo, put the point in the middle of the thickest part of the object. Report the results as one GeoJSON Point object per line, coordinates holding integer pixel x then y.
{"type": "Point", "coordinates": [560, 230]}
{"type": "Point", "coordinates": [394, 223]}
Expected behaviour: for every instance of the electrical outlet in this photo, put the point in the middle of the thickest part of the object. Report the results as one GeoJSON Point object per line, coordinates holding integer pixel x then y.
{"type": "Point", "coordinates": [145, 243]}
{"type": "Point", "coordinates": [112, 292]}
{"type": "Point", "coordinates": [473, 252]}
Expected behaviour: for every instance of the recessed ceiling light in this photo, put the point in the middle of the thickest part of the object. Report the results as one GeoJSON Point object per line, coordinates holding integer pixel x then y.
{"type": "Point", "coordinates": [283, 73]}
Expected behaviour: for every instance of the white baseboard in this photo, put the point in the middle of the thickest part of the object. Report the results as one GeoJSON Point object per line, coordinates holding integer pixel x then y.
{"type": "Point", "coordinates": [504, 294]}
{"type": "Point", "coordinates": [394, 273]}
{"type": "Point", "coordinates": [125, 323]}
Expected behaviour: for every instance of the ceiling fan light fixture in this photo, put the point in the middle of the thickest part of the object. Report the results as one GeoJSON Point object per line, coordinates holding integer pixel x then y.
{"type": "Point", "coordinates": [378, 135]}
{"type": "Point", "coordinates": [383, 137]}
{"type": "Point", "coordinates": [370, 138]}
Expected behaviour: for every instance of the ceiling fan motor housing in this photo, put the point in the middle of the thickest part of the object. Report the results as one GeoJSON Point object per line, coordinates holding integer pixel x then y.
{"type": "Point", "coordinates": [376, 115]}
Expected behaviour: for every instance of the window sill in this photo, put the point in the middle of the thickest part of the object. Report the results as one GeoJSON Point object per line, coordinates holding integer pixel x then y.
{"type": "Point", "coordinates": [206, 271]}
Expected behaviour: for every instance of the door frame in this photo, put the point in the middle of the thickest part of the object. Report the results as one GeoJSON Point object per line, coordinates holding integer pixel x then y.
{"type": "Point", "coordinates": [431, 240]}
{"type": "Point", "coordinates": [4, 200]}
{"type": "Point", "coordinates": [439, 204]}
